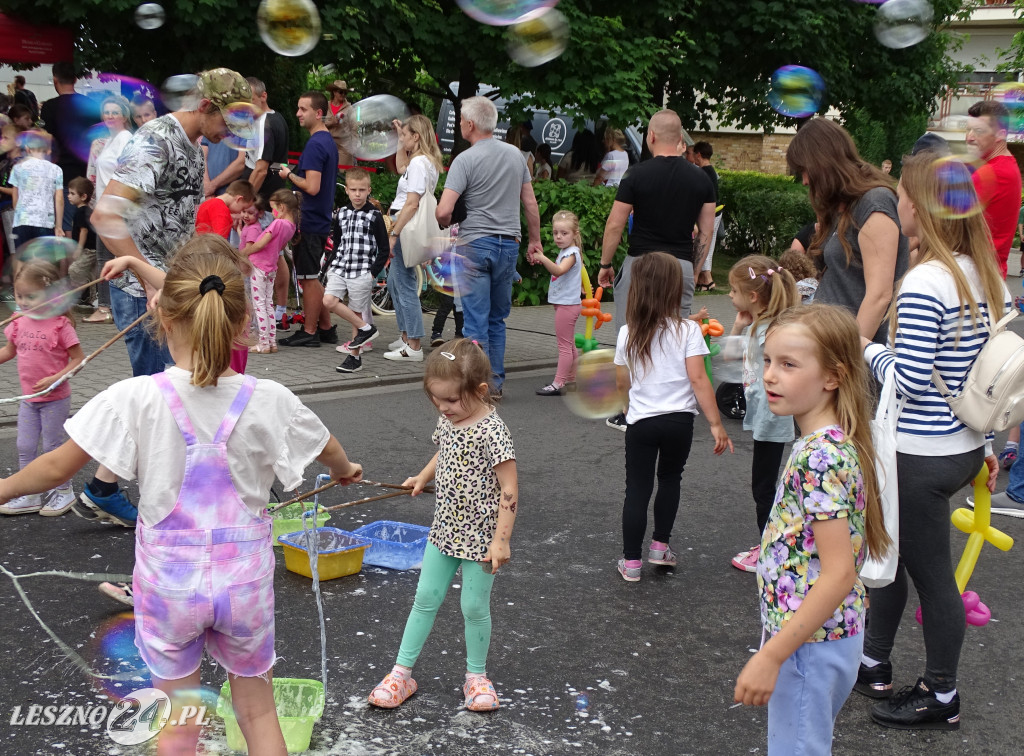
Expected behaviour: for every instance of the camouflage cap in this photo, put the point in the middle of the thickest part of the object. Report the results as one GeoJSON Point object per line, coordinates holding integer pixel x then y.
{"type": "Point", "coordinates": [222, 86]}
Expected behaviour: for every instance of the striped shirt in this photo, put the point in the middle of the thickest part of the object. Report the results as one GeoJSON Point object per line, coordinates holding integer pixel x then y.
{"type": "Point", "coordinates": [928, 313]}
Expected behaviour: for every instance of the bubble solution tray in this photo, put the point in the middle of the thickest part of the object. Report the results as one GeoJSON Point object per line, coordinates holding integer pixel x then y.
{"type": "Point", "coordinates": [395, 545]}
{"type": "Point", "coordinates": [299, 703]}
{"type": "Point", "coordinates": [341, 553]}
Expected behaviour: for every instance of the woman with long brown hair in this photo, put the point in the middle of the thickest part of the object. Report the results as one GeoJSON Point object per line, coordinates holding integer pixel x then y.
{"type": "Point", "coordinates": [858, 238]}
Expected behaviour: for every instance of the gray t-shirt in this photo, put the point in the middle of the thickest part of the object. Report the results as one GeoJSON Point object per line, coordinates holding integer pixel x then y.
{"type": "Point", "coordinates": [166, 169]}
{"type": "Point", "coordinates": [490, 175]}
{"type": "Point", "coordinates": [843, 284]}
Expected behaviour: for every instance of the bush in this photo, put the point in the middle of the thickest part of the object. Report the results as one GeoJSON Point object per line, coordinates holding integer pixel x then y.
{"type": "Point", "coordinates": [762, 212]}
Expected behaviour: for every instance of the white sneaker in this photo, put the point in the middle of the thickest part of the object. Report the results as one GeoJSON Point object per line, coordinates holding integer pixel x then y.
{"type": "Point", "coordinates": [29, 504]}
{"type": "Point", "coordinates": [344, 348]}
{"type": "Point", "coordinates": [397, 344]}
{"type": "Point", "coordinates": [59, 502]}
{"type": "Point", "coordinates": [405, 354]}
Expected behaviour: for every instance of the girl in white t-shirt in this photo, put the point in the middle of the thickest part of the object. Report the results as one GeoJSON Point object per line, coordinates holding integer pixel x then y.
{"type": "Point", "coordinates": [659, 358]}
{"type": "Point", "coordinates": [564, 293]}
{"type": "Point", "coordinates": [205, 444]}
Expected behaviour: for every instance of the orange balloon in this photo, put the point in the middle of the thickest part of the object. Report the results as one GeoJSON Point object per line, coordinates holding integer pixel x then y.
{"type": "Point", "coordinates": [715, 328]}
{"type": "Point", "coordinates": [606, 317]}
{"type": "Point", "coordinates": [598, 293]}
{"type": "Point", "coordinates": [704, 328]}
{"type": "Point", "coordinates": [590, 303]}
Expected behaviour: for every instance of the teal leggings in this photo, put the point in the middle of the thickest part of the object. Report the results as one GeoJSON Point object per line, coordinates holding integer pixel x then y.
{"type": "Point", "coordinates": [435, 577]}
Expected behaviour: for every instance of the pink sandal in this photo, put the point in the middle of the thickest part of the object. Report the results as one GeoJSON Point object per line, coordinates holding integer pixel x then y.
{"type": "Point", "coordinates": [397, 688]}
{"type": "Point", "coordinates": [476, 687]}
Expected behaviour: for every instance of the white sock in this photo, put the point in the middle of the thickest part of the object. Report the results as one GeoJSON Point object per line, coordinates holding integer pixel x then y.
{"type": "Point", "coordinates": [868, 662]}
{"type": "Point", "coordinates": [365, 328]}
{"type": "Point", "coordinates": [399, 671]}
{"type": "Point", "coordinates": [280, 310]}
{"type": "Point", "coordinates": [945, 697]}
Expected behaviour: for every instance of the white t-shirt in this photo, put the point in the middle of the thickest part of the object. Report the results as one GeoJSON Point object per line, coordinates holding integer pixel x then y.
{"type": "Point", "coordinates": [130, 429]}
{"type": "Point", "coordinates": [419, 178]}
{"type": "Point", "coordinates": [106, 162]}
{"type": "Point", "coordinates": [37, 182]}
{"type": "Point", "coordinates": [662, 386]}
{"type": "Point", "coordinates": [614, 165]}
{"type": "Point", "coordinates": [565, 289]}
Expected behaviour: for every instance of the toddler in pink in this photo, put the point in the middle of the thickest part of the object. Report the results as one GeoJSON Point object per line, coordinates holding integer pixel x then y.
{"type": "Point", "coordinates": [263, 249]}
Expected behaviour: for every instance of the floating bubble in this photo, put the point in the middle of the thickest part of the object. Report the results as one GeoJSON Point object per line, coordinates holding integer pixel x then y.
{"type": "Point", "coordinates": [150, 16]}
{"type": "Point", "coordinates": [439, 270]}
{"type": "Point", "coordinates": [240, 118]}
{"type": "Point", "coordinates": [728, 363]}
{"type": "Point", "coordinates": [538, 37]}
{"type": "Point", "coordinates": [374, 136]}
{"type": "Point", "coordinates": [114, 654]}
{"type": "Point", "coordinates": [289, 27]}
{"type": "Point", "coordinates": [40, 285]}
{"type": "Point", "coordinates": [121, 212]}
{"type": "Point", "coordinates": [1011, 94]}
{"type": "Point", "coordinates": [903, 23]}
{"type": "Point", "coordinates": [796, 91]}
{"type": "Point", "coordinates": [955, 196]}
{"type": "Point", "coordinates": [596, 394]}
{"type": "Point", "coordinates": [35, 140]}
{"type": "Point", "coordinates": [180, 92]}
{"type": "Point", "coordinates": [502, 12]}
{"type": "Point", "coordinates": [129, 85]}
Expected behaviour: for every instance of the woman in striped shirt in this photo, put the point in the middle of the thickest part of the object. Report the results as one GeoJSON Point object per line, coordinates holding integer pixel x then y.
{"type": "Point", "coordinates": [940, 321]}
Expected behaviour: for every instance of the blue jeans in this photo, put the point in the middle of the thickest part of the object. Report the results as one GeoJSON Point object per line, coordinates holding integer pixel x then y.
{"type": "Point", "coordinates": [1015, 490]}
{"type": "Point", "coordinates": [402, 286]}
{"type": "Point", "coordinates": [147, 355]}
{"type": "Point", "coordinates": [483, 282]}
{"type": "Point", "coordinates": [812, 686]}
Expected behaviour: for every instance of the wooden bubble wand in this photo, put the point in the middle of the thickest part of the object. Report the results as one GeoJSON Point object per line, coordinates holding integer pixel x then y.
{"type": "Point", "coordinates": [399, 491]}
{"type": "Point", "coordinates": [62, 295]}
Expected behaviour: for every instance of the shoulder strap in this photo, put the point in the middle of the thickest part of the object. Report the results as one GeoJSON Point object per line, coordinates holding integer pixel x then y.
{"type": "Point", "coordinates": [993, 330]}
{"type": "Point", "coordinates": [235, 410]}
{"type": "Point", "coordinates": [177, 408]}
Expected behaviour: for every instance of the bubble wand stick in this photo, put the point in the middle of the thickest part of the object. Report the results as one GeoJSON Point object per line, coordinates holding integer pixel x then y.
{"type": "Point", "coordinates": [63, 294]}
{"type": "Point", "coordinates": [399, 491]}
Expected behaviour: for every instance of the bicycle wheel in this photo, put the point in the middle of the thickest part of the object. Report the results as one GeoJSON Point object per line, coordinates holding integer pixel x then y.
{"type": "Point", "coordinates": [380, 300]}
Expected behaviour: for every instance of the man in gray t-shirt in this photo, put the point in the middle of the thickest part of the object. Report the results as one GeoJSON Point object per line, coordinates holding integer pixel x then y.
{"type": "Point", "coordinates": [493, 178]}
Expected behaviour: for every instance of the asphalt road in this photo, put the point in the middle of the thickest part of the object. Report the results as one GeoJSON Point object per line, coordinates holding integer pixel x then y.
{"type": "Point", "coordinates": [657, 659]}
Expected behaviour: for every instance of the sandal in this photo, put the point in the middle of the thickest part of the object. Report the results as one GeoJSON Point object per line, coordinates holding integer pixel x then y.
{"type": "Point", "coordinates": [476, 687]}
{"type": "Point", "coordinates": [396, 688]}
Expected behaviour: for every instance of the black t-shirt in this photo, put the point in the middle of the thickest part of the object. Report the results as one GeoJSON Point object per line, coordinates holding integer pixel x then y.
{"type": "Point", "coordinates": [713, 175]}
{"type": "Point", "coordinates": [83, 219]}
{"type": "Point", "coordinates": [667, 194]}
{"type": "Point", "coordinates": [275, 150]}
{"type": "Point", "coordinates": [69, 117]}
{"type": "Point", "coordinates": [804, 236]}
{"type": "Point", "coordinates": [27, 98]}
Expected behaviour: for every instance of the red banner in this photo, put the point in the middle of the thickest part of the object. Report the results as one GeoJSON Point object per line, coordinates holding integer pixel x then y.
{"type": "Point", "coordinates": [23, 43]}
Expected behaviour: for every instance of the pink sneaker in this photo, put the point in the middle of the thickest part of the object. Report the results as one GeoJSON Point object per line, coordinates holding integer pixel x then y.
{"type": "Point", "coordinates": [747, 560]}
{"type": "Point", "coordinates": [367, 347]}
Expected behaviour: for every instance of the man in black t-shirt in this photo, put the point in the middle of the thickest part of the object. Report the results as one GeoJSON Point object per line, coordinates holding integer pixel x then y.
{"type": "Point", "coordinates": [25, 97]}
{"type": "Point", "coordinates": [667, 196]}
{"type": "Point", "coordinates": [271, 145]}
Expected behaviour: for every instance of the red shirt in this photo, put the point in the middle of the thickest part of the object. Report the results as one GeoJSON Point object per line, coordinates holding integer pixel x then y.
{"type": "Point", "coordinates": [213, 217]}
{"type": "Point", "coordinates": [998, 185]}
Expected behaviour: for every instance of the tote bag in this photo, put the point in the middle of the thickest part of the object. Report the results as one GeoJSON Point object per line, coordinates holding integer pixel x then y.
{"type": "Point", "coordinates": [421, 237]}
{"type": "Point", "coordinates": [880, 570]}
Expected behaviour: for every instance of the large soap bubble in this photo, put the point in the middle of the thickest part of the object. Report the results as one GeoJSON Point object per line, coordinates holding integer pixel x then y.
{"type": "Point", "coordinates": [240, 118]}
{"type": "Point", "coordinates": [796, 91]}
{"type": "Point", "coordinates": [289, 27]}
{"type": "Point", "coordinates": [538, 37]}
{"type": "Point", "coordinates": [150, 16]}
{"type": "Point", "coordinates": [955, 196]}
{"type": "Point", "coordinates": [502, 12]}
{"type": "Point", "coordinates": [374, 136]}
{"type": "Point", "coordinates": [180, 92]}
{"type": "Point", "coordinates": [903, 23]}
{"type": "Point", "coordinates": [41, 287]}
{"type": "Point", "coordinates": [597, 394]}
{"type": "Point", "coordinates": [1011, 94]}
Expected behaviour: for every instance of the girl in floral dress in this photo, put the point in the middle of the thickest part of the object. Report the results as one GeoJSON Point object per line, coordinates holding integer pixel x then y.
{"type": "Point", "coordinates": [826, 518]}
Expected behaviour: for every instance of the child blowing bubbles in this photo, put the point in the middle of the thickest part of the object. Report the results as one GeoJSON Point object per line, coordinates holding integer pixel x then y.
{"type": "Point", "coordinates": [564, 293]}
{"type": "Point", "coordinates": [827, 516]}
{"type": "Point", "coordinates": [206, 444]}
{"type": "Point", "coordinates": [46, 349]}
{"type": "Point", "coordinates": [477, 493]}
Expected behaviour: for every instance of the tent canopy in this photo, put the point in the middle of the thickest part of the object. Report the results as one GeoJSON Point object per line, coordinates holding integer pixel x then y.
{"type": "Point", "coordinates": [21, 42]}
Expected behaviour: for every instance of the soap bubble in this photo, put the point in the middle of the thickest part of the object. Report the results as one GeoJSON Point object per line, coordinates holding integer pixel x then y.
{"type": "Point", "coordinates": [42, 288]}
{"type": "Point", "coordinates": [150, 16]}
{"type": "Point", "coordinates": [538, 37]}
{"type": "Point", "coordinates": [903, 23]}
{"type": "Point", "coordinates": [114, 655]}
{"type": "Point", "coordinates": [796, 91]}
{"type": "Point", "coordinates": [180, 92]}
{"type": "Point", "coordinates": [955, 196]}
{"type": "Point", "coordinates": [439, 270]}
{"type": "Point", "coordinates": [123, 211]}
{"type": "Point", "coordinates": [596, 394]}
{"type": "Point", "coordinates": [502, 12]}
{"type": "Point", "coordinates": [1011, 94]}
{"type": "Point", "coordinates": [289, 27]}
{"type": "Point", "coordinates": [240, 118]}
{"type": "Point", "coordinates": [375, 136]}
{"type": "Point", "coordinates": [35, 140]}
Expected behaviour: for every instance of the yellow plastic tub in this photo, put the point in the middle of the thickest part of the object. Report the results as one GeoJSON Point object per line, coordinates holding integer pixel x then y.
{"type": "Point", "coordinates": [299, 703]}
{"type": "Point", "coordinates": [340, 553]}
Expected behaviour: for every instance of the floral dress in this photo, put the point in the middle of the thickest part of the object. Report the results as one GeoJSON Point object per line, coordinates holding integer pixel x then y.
{"type": "Point", "coordinates": [822, 481]}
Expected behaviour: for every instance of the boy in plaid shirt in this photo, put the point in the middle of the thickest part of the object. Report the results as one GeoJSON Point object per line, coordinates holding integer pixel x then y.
{"type": "Point", "coordinates": [361, 250]}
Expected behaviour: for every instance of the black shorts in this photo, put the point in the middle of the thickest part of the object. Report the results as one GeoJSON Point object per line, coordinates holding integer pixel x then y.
{"type": "Point", "coordinates": [307, 253]}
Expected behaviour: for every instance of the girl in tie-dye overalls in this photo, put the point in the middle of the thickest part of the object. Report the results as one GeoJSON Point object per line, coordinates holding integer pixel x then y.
{"type": "Point", "coordinates": [206, 444]}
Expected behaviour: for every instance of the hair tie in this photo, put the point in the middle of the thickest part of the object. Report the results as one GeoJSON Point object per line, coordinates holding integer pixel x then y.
{"type": "Point", "coordinates": [211, 282]}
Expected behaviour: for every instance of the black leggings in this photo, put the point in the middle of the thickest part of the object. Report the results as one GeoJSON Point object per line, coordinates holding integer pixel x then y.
{"type": "Point", "coordinates": [661, 442]}
{"type": "Point", "coordinates": [445, 305]}
{"type": "Point", "coordinates": [764, 479]}
{"type": "Point", "coordinates": [926, 485]}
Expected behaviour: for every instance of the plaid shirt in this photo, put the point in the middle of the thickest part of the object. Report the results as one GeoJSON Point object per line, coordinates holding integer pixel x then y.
{"type": "Point", "coordinates": [361, 243]}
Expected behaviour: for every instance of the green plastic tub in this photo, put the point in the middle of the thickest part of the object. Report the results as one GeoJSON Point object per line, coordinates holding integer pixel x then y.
{"type": "Point", "coordinates": [300, 704]}
{"type": "Point", "coordinates": [289, 519]}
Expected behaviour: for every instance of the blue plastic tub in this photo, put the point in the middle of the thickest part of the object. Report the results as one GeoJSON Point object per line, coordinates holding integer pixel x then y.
{"type": "Point", "coordinates": [395, 545]}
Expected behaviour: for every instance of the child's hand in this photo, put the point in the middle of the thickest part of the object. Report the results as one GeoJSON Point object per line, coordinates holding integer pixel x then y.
{"type": "Point", "coordinates": [44, 383]}
{"type": "Point", "coordinates": [743, 319]}
{"type": "Point", "coordinates": [352, 474]}
{"type": "Point", "coordinates": [114, 268]}
{"type": "Point", "coordinates": [756, 682]}
{"type": "Point", "coordinates": [722, 440]}
{"type": "Point", "coordinates": [702, 314]}
{"type": "Point", "coordinates": [415, 483]}
{"type": "Point", "coordinates": [498, 554]}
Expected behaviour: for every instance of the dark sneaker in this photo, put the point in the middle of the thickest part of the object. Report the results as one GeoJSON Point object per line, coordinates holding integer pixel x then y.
{"type": "Point", "coordinates": [550, 390]}
{"type": "Point", "coordinates": [874, 682]}
{"type": "Point", "coordinates": [328, 335]}
{"type": "Point", "coordinates": [618, 422]}
{"type": "Point", "coordinates": [362, 337]}
{"type": "Point", "coordinates": [436, 339]}
{"type": "Point", "coordinates": [301, 339]}
{"type": "Point", "coordinates": [352, 364]}
{"type": "Point", "coordinates": [916, 708]}
{"type": "Point", "coordinates": [115, 508]}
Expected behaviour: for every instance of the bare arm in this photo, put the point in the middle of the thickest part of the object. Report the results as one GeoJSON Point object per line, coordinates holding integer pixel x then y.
{"type": "Point", "coordinates": [230, 173]}
{"type": "Point", "coordinates": [309, 185]}
{"type": "Point", "coordinates": [529, 200]}
{"type": "Point", "coordinates": [8, 352]}
{"type": "Point", "coordinates": [14, 196]}
{"type": "Point", "coordinates": [412, 203]}
{"type": "Point", "coordinates": [500, 552]}
{"type": "Point", "coordinates": [706, 399]}
{"type": "Point", "coordinates": [58, 210]}
{"type": "Point", "coordinates": [75, 357]}
{"type": "Point", "coordinates": [879, 242]}
{"type": "Point", "coordinates": [559, 269]}
{"type": "Point", "coordinates": [446, 206]}
{"type": "Point", "coordinates": [259, 174]}
{"type": "Point", "coordinates": [337, 461]}
{"type": "Point", "coordinates": [417, 482]}
{"type": "Point", "coordinates": [253, 247]}
{"type": "Point", "coordinates": [705, 230]}
{"type": "Point", "coordinates": [613, 229]}
{"type": "Point", "coordinates": [149, 275]}
{"type": "Point", "coordinates": [46, 472]}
